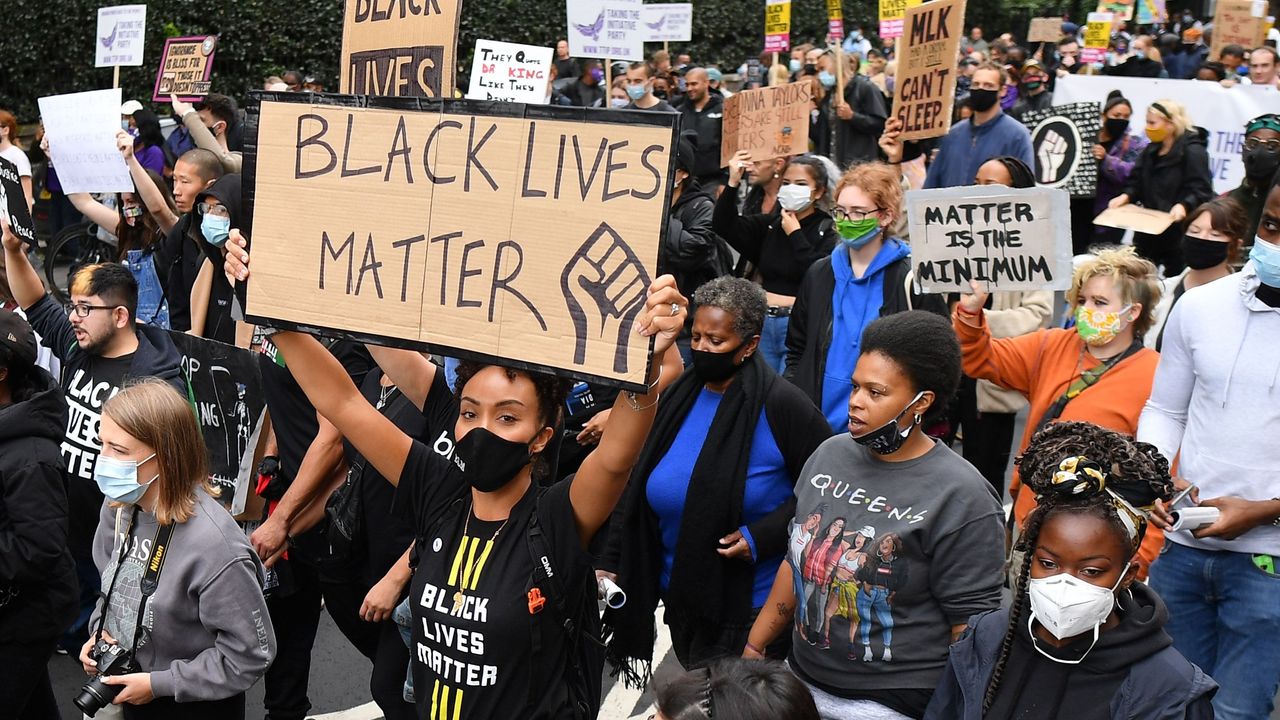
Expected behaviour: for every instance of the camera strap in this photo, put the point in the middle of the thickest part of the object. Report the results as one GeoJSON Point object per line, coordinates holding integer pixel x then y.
{"type": "Point", "coordinates": [150, 577]}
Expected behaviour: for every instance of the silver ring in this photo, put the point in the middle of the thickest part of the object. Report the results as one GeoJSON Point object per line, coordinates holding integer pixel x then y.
{"type": "Point", "coordinates": [675, 309]}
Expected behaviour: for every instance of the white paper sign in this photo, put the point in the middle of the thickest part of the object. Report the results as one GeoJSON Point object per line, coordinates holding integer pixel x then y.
{"type": "Point", "coordinates": [509, 71]}
{"type": "Point", "coordinates": [81, 128]}
{"type": "Point", "coordinates": [608, 29]}
{"type": "Point", "coordinates": [668, 22]}
{"type": "Point", "coordinates": [1003, 238]}
{"type": "Point", "coordinates": [120, 34]}
{"type": "Point", "coordinates": [1222, 112]}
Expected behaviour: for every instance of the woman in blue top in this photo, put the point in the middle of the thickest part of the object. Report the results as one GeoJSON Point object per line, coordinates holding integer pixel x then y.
{"type": "Point", "coordinates": [703, 524]}
{"type": "Point", "coordinates": [866, 277]}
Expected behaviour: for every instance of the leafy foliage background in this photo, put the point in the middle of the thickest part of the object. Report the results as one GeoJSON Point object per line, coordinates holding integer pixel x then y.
{"type": "Point", "coordinates": [47, 46]}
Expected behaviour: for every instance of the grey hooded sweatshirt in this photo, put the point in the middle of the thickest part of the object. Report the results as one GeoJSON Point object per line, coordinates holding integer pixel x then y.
{"type": "Point", "coordinates": [206, 634]}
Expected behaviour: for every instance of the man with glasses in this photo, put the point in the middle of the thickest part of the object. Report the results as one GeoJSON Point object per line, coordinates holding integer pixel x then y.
{"type": "Point", "coordinates": [101, 347]}
{"type": "Point", "coordinates": [988, 134]}
{"type": "Point", "coordinates": [1261, 155]}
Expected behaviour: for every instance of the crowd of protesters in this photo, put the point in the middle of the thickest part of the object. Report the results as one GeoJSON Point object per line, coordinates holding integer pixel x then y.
{"type": "Point", "coordinates": [784, 494]}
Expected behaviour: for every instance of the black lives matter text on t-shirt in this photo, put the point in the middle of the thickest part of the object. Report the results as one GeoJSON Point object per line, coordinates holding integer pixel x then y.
{"type": "Point", "coordinates": [472, 654]}
{"type": "Point", "coordinates": [87, 389]}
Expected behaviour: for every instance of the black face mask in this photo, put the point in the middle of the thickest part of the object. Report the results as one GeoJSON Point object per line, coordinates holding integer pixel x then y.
{"type": "Point", "coordinates": [715, 367]}
{"type": "Point", "coordinates": [489, 462]}
{"type": "Point", "coordinates": [660, 94]}
{"type": "Point", "coordinates": [1261, 163]}
{"type": "Point", "coordinates": [1116, 127]}
{"type": "Point", "coordinates": [888, 438]}
{"type": "Point", "coordinates": [982, 100]}
{"type": "Point", "coordinates": [1201, 254]}
{"type": "Point", "coordinates": [810, 69]}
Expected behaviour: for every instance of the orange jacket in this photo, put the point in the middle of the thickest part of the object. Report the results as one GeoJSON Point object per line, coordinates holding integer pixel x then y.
{"type": "Point", "coordinates": [1041, 365]}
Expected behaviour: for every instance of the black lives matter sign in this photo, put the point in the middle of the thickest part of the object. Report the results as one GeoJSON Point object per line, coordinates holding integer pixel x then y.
{"type": "Point", "coordinates": [394, 47]}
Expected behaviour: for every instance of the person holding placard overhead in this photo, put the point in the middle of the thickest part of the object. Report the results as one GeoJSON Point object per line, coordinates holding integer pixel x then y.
{"type": "Point", "coordinates": [496, 633]}
{"type": "Point", "coordinates": [1099, 372]}
{"type": "Point", "coordinates": [782, 248]}
{"type": "Point", "coordinates": [1171, 175]}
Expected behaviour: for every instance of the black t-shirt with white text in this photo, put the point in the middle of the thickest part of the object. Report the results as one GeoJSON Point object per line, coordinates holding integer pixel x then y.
{"type": "Point", "coordinates": [474, 619]}
{"type": "Point", "coordinates": [87, 388]}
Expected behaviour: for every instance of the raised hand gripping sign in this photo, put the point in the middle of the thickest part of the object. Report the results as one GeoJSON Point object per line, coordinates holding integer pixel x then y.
{"type": "Point", "coordinates": [523, 233]}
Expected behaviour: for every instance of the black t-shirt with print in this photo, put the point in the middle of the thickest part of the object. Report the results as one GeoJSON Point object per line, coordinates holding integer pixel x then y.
{"type": "Point", "coordinates": [473, 633]}
{"type": "Point", "coordinates": [87, 389]}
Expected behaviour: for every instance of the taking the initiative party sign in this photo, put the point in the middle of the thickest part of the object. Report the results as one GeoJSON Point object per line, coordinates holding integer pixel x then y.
{"type": "Point", "coordinates": [474, 229]}
{"type": "Point", "coordinates": [1002, 238]}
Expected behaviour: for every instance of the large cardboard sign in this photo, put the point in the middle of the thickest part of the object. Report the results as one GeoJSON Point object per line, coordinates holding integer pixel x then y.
{"type": "Point", "coordinates": [186, 68]}
{"type": "Point", "coordinates": [1138, 219]}
{"type": "Point", "coordinates": [1238, 22]}
{"type": "Point", "coordinates": [406, 49]}
{"type": "Point", "coordinates": [1062, 138]}
{"type": "Point", "coordinates": [13, 203]}
{"type": "Point", "coordinates": [522, 232]}
{"type": "Point", "coordinates": [610, 29]}
{"type": "Point", "coordinates": [120, 34]}
{"type": "Point", "coordinates": [81, 128]}
{"type": "Point", "coordinates": [926, 85]}
{"type": "Point", "coordinates": [1002, 238]}
{"type": "Point", "coordinates": [224, 388]}
{"type": "Point", "coordinates": [767, 122]}
{"type": "Point", "coordinates": [1222, 112]}
{"type": "Point", "coordinates": [510, 72]}
{"type": "Point", "coordinates": [777, 25]}
{"type": "Point", "coordinates": [667, 22]}
{"type": "Point", "coordinates": [891, 14]}
{"type": "Point", "coordinates": [1044, 29]}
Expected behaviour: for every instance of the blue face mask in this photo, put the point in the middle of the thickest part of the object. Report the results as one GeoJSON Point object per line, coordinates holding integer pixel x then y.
{"type": "Point", "coordinates": [118, 479]}
{"type": "Point", "coordinates": [795, 65]}
{"type": "Point", "coordinates": [635, 92]}
{"type": "Point", "coordinates": [1266, 261]}
{"type": "Point", "coordinates": [215, 229]}
{"type": "Point", "coordinates": [827, 79]}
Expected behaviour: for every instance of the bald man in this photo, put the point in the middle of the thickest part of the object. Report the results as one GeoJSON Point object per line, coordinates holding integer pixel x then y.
{"type": "Point", "coordinates": [702, 111]}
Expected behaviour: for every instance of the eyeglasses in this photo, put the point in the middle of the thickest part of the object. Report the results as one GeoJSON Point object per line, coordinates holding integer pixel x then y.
{"type": "Point", "coordinates": [853, 214]}
{"type": "Point", "coordinates": [1255, 143]}
{"type": "Point", "coordinates": [215, 210]}
{"type": "Point", "coordinates": [82, 310]}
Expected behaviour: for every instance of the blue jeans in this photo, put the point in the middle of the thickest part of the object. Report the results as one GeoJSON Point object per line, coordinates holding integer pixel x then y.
{"type": "Point", "coordinates": [1224, 616]}
{"type": "Point", "coordinates": [773, 342]}
{"type": "Point", "coordinates": [153, 309]}
{"type": "Point", "coordinates": [875, 599]}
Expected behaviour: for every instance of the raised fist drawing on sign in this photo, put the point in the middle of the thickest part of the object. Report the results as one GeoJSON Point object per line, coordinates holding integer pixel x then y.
{"type": "Point", "coordinates": [1053, 153]}
{"type": "Point", "coordinates": [604, 287]}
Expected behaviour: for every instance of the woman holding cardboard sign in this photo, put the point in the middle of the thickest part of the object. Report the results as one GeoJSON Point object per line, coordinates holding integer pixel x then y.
{"type": "Point", "coordinates": [1171, 175]}
{"type": "Point", "coordinates": [1113, 295]}
{"type": "Point", "coordinates": [496, 633]}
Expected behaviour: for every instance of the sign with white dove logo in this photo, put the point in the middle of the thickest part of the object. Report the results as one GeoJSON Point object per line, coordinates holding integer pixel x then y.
{"type": "Point", "coordinates": [1062, 139]}
{"type": "Point", "coordinates": [611, 29]}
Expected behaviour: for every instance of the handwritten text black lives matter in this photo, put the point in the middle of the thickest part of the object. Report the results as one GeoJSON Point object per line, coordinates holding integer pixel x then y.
{"type": "Point", "coordinates": [452, 228]}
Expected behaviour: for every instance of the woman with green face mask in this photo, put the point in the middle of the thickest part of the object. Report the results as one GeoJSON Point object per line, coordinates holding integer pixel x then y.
{"type": "Point", "coordinates": [867, 276]}
{"type": "Point", "coordinates": [1171, 175]}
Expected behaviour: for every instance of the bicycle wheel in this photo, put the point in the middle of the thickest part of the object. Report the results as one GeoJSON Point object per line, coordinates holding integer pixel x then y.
{"type": "Point", "coordinates": [71, 249]}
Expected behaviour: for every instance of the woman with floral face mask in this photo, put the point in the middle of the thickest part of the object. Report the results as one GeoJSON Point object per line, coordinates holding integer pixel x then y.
{"type": "Point", "coordinates": [866, 277]}
{"type": "Point", "coordinates": [1057, 370]}
{"type": "Point", "coordinates": [780, 246]}
{"type": "Point", "coordinates": [1084, 638]}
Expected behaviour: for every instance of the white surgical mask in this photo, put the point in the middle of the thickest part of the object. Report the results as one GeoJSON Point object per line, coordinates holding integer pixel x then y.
{"type": "Point", "coordinates": [1067, 606]}
{"type": "Point", "coordinates": [794, 197]}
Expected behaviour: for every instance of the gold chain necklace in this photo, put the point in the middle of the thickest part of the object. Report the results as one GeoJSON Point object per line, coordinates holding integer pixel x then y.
{"type": "Point", "coordinates": [458, 597]}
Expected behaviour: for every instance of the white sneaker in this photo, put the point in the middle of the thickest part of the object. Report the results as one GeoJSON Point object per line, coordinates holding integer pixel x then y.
{"type": "Point", "coordinates": [866, 655]}
{"type": "Point", "coordinates": [888, 655]}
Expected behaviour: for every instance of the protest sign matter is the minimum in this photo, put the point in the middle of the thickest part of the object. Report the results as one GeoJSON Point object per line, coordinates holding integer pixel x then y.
{"type": "Point", "coordinates": [1002, 238]}
{"type": "Point", "coordinates": [426, 226]}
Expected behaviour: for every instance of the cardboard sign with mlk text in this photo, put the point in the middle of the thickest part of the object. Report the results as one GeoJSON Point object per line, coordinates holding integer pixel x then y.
{"type": "Point", "coordinates": [523, 233]}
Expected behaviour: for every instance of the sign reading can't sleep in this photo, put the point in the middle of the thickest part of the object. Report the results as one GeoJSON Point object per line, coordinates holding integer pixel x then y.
{"type": "Point", "coordinates": [1002, 238]}
{"type": "Point", "coordinates": [926, 84]}
{"type": "Point", "coordinates": [429, 227]}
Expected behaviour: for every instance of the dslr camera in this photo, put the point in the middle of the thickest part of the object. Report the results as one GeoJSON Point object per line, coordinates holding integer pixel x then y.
{"type": "Point", "coordinates": [111, 660]}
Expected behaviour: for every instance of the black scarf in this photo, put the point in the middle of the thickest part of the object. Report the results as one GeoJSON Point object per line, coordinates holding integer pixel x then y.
{"type": "Point", "coordinates": [703, 583]}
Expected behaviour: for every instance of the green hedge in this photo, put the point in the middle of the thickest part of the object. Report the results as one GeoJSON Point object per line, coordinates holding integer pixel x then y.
{"type": "Point", "coordinates": [47, 47]}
